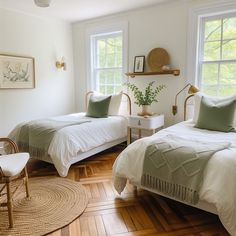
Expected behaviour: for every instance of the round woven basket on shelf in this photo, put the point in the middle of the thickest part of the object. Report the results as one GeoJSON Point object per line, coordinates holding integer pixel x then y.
{"type": "Point", "coordinates": [157, 58]}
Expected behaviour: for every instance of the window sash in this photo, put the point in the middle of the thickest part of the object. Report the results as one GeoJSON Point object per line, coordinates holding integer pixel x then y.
{"type": "Point", "coordinates": [96, 68]}
{"type": "Point", "coordinates": [220, 61]}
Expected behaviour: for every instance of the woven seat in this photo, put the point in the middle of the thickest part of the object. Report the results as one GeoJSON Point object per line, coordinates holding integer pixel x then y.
{"type": "Point", "coordinates": [12, 167]}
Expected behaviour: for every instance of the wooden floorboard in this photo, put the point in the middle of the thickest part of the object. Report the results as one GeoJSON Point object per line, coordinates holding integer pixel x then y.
{"type": "Point", "coordinates": [129, 214]}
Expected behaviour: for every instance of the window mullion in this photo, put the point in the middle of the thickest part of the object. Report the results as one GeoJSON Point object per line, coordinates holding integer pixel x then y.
{"type": "Point", "coordinates": [95, 42]}
{"type": "Point", "coordinates": [201, 54]}
{"type": "Point", "coordinates": [216, 40]}
{"type": "Point", "coordinates": [106, 79]}
{"type": "Point", "coordinates": [219, 61]}
{"type": "Point", "coordinates": [221, 58]}
{"type": "Point", "coordinates": [106, 53]}
{"type": "Point", "coordinates": [109, 68]}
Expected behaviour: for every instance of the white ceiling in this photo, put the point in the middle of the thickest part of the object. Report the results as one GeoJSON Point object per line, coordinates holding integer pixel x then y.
{"type": "Point", "coordinates": [77, 10]}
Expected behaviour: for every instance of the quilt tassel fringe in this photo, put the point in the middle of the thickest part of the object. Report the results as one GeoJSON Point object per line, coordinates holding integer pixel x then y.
{"type": "Point", "coordinates": [171, 189]}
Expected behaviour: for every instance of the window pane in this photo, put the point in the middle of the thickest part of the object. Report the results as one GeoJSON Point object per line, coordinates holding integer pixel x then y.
{"type": "Point", "coordinates": [101, 46]}
{"type": "Point", "coordinates": [229, 50]}
{"type": "Point", "coordinates": [119, 53]}
{"type": "Point", "coordinates": [111, 60]}
{"type": "Point", "coordinates": [229, 28]}
{"type": "Point", "coordinates": [101, 53]}
{"type": "Point", "coordinates": [210, 90]}
{"type": "Point", "coordinates": [118, 89]}
{"type": "Point", "coordinates": [226, 90]}
{"type": "Point", "coordinates": [118, 77]}
{"type": "Point", "coordinates": [119, 42]}
{"type": "Point", "coordinates": [213, 30]}
{"type": "Point", "coordinates": [110, 89]}
{"type": "Point", "coordinates": [101, 77]}
{"type": "Point", "coordinates": [111, 45]}
{"type": "Point", "coordinates": [110, 77]}
{"type": "Point", "coordinates": [101, 60]}
{"type": "Point", "coordinates": [119, 60]}
{"type": "Point", "coordinates": [227, 74]}
{"type": "Point", "coordinates": [211, 51]}
{"type": "Point", "coordinates": [102, 89]}
{"type": "Point", "coordinates": [209, 74]}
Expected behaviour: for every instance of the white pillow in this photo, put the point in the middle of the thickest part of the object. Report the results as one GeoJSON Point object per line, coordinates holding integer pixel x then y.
{"type": "Point", "coordinates": [114, 106]}
{"type": "Point", "coordinates": [115, 102]}
{"type": "Point", "coordinates": [215, 100]}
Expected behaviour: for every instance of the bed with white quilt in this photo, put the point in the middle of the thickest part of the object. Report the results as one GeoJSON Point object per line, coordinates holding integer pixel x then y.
{"type": "Point", "coordinates": [215, 184]}
{"type": "Point", "coordinates": [65, 140]}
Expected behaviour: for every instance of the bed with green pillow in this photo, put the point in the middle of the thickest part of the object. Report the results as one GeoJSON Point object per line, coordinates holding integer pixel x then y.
{"type": "Point", "coordinates": [193, 161]}
{"type": "Point", "coordinates": [67, 139]}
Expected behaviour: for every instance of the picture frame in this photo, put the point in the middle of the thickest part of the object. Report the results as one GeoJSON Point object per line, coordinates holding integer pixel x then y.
{"type": "Point", "coordinates": [139, 62]}
{"type": "Point", "coordinates": [16, 72]}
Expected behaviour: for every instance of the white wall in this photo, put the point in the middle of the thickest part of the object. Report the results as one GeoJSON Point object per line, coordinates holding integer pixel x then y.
{"type": "Point", "coordinates": [45, 40]}
{"type": "Point", "coordinates": [164, 25]}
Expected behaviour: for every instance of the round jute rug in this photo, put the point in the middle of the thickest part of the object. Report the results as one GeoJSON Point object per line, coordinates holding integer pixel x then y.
{"type": "Point", "coordinates": [54, 202]}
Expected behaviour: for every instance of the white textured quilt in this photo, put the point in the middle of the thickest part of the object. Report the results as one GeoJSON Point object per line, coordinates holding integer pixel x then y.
{"type": "Point", "coordinates": [219, 184]}
{"type": "Point", "coordinates": [70, 141]}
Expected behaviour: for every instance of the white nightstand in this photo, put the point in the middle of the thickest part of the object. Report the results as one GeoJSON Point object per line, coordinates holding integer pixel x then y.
{"type": "Point", "coordinates": [144, 123]}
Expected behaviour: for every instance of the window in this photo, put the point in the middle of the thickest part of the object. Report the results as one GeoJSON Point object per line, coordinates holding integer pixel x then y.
{"type": "Point", "coordinates": [217, 55]}
{"type": "Point", "coordinates": [107, 61]}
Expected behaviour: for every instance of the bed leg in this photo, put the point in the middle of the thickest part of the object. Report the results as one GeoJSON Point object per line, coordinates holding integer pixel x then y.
{"type": "Point", "coordinates": [135, 190]}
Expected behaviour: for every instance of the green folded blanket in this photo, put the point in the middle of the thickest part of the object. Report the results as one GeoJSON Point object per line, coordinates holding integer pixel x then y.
{"type": "Point", "coordinates": [36, 136]}
{"type": "Point", "coordinates": [174, 166]}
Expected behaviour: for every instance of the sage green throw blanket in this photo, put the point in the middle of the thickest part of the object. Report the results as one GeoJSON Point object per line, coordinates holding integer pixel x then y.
{"type": "Point", "coordinates": [174, 166]}
{"type": "Point", "coordinates": [36, 136]}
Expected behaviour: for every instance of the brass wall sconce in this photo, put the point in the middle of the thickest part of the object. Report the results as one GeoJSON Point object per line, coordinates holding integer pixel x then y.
{"type": "Point", "coordinates": [61, 64]}
{"type": "Point", "coordinates": [192, 90]}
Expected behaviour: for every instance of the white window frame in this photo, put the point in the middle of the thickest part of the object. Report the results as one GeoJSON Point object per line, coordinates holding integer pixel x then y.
{"type": "Point", "coordinates": [103, 30]}
{"type": "Point", "coordinates": [94, 68]}
{"type": "Point", "coordinates": [200, 60]}
{"type": "Point", "coordinates": [196, 16]}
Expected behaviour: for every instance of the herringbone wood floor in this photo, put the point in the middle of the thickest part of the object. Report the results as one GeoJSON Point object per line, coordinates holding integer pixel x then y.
{"type": "Point", "coordinates": [129, 214]}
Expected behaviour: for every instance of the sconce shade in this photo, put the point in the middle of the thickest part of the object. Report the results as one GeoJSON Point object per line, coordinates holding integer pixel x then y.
{"type": "Point", "coordinates": [192, 90]}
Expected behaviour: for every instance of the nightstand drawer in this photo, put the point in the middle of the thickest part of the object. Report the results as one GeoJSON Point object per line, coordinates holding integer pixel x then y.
{"type": "Point", "coordinates": [151, 122]}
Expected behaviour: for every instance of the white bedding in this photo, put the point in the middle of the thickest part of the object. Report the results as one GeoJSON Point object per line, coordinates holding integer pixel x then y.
{"type": "Point", "coordinates": [70, 141]}
{"type": "Point", "coordinates": [219, 183]}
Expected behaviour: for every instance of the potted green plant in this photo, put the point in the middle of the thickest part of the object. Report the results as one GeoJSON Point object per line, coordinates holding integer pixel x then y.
{"type": "Point", "coordinates": [146, 97]}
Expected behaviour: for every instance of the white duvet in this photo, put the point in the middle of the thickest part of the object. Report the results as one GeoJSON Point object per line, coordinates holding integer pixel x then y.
{"type": "Point", "coordinates": [219, 183]}
{"type": "Point", "coordinates": [70, 141]}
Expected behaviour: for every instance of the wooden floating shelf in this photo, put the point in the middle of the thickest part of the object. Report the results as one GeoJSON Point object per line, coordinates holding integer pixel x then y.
{"type": "Point", "coordinates": [166, 72]}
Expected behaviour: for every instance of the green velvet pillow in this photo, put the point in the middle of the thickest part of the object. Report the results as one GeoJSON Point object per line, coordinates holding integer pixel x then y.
{"type": "Point", "coordinates": [98, 107]}
{"type": "Point", "coordinates": [217, 117]}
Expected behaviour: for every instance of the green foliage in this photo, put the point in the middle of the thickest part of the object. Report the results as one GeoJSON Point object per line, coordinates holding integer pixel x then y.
{"type": "Point", "coordinates": [148, 96]}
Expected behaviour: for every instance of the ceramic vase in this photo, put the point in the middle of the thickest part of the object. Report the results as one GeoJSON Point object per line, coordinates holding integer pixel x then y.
{"type": "Point", "coordinates": [145, 111]}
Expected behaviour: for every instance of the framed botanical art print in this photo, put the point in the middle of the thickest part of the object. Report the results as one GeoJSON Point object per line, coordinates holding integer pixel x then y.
{"type": "Point", "coordinates": [16, 72]}
{"type": "Point", "coordinates": [139, 62]}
